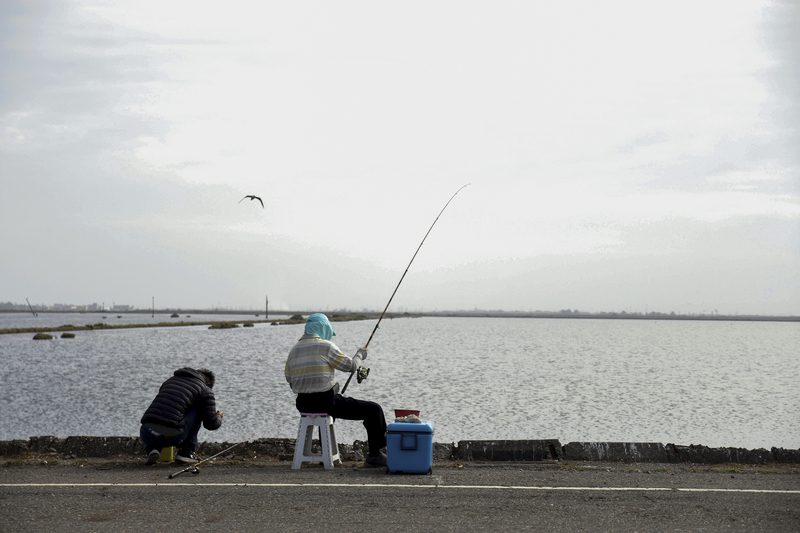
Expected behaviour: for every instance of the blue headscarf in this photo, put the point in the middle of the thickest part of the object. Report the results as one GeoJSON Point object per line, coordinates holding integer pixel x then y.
{"type": "Point", "coordinates": [318, 324]}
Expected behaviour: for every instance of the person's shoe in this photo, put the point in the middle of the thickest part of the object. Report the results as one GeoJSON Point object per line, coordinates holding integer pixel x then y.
{"type": "Point", "coordinates": [152, 457]}
{"type": "Point", "coordinates": [186, 457]}
{"type": "Point", "coordinates": [376, 460]}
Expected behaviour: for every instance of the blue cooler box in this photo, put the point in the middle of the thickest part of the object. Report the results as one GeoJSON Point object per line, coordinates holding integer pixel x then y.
{"type": "Point", "coordinates": [409, 448]}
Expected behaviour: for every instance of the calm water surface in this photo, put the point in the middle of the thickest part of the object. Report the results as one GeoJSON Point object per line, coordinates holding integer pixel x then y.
{"type": "Point", "coordinates": [683, 382]}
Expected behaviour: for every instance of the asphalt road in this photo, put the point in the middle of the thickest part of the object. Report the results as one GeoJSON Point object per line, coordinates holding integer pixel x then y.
{"type": "Point", "coordinates": [106, 496]}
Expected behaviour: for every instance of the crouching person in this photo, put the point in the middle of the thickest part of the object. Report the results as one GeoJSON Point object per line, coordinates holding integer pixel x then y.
{"type": "Point", "coordinates": [310, 372]}
{"type": "Point", "coordinates": [183, 404]}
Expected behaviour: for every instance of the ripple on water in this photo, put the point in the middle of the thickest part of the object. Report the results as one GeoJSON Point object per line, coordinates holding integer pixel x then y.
{"type": "Point", "coordinates": [712, 383]}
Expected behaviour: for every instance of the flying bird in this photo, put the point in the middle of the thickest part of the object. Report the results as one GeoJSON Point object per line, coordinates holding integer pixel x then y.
{"type": "Point", "coordinates": [252, 197]}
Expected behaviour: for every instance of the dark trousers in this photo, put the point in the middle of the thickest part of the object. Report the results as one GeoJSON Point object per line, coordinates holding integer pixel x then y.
{"type": "Point", "coordinates": [186, 441]}
{"type": "Point", "coordinates": [339, 406]}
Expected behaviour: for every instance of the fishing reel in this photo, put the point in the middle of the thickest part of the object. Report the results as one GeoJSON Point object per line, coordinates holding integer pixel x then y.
{"type": "Point", "coordinates": [361, 374]}
{"type": "Point", "coordinates": [193, 469]}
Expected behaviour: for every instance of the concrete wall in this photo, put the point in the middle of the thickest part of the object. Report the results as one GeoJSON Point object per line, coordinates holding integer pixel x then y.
{"type": "Point", "coordinates": [464, 451]}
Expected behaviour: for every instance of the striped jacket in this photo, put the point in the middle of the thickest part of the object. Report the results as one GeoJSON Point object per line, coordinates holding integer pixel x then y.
{"type": "Point", "coordinates": [312, 362]}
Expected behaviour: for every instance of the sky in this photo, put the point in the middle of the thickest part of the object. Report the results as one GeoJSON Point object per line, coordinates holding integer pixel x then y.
{"type": "Point", "coordinates": [621, 155]}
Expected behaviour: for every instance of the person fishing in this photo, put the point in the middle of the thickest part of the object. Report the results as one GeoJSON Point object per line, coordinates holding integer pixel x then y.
{"type": "Point", "coordinates": [184, 402]}
{"type": "Point", "coordinates": [310, 370]}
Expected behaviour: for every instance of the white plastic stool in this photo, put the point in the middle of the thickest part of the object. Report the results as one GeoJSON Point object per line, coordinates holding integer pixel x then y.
{"type": "Point", "coordinates": [327, 440]}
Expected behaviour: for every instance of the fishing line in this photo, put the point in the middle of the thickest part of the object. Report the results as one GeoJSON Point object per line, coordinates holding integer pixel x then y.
{"type": "Point", "coordinates": [363, 375]}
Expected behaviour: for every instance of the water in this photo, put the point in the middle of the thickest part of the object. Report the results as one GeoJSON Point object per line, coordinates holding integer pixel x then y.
{"type": "Point", "coordinates": [684, 382]}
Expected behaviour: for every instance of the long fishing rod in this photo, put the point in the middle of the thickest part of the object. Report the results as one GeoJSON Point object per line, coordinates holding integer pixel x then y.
{"type": "Point", "coordinates": [193, 467]}
{"type": "Point", "coordinates": [362, 373]}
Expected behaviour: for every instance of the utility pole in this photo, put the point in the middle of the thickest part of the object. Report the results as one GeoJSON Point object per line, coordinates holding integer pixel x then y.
{"type": "Point", "coordinates": [30, 307]}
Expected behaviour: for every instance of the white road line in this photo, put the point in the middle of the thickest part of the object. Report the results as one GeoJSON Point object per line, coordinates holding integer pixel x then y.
{"type": "Point", "coordinates": [385, 485]}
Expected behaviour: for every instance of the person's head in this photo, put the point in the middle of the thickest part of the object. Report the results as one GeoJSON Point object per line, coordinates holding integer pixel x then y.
{"type": "Point", "coordinates": [319, 325]}
{"type": "Point", "coordinates": [208, 375]}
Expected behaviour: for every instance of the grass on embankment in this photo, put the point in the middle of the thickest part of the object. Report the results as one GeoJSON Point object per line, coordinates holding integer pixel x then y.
{"type": "Point", "coordinates": [101, 325]}
{"type": "Point", "coordinates": [213, 324]}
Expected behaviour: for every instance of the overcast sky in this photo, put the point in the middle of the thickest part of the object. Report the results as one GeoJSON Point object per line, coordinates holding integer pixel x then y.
{"type": "Point", "coordinates": [637, 156]}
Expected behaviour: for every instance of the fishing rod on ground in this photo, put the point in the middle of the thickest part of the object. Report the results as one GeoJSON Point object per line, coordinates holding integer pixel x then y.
{"type": "Point", "coordinates": [193, 467]}
{"type": "Point", "coordinates": [362, 373]}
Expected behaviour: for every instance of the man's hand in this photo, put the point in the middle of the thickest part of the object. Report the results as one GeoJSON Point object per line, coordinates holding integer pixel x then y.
{"type": "Point", "coordinates": [362, 352]}
{"type": "Point", "coordinates": [220, 413]}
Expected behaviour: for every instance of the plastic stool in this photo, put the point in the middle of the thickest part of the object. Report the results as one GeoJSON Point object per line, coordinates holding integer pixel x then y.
{"type": "Point", "coordinates": [327, 440]}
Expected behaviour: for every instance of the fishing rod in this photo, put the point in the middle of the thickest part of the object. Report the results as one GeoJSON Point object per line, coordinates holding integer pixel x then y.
{"type": "Point", "coordinates": [193, 468]}
{"type": "Point", "coordinates": [364, 372]}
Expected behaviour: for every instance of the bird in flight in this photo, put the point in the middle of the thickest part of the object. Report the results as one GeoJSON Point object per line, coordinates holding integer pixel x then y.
{"type": "Point", "coordinates": [252, 197]}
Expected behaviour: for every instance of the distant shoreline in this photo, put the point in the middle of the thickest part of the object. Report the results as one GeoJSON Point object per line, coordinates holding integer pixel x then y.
{"type": "Point", "coordinates": [213, 324]}
{"type": "Point", "coordinates": [367, 315]}
{"type": "Point", "coordinates": [346, 317]}
{"type": "Point", "coordinates": [622, 316]}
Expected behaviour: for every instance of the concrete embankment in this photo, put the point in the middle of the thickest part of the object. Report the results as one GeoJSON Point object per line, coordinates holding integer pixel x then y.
{"type": "Point", "coordinates": [463, 451]}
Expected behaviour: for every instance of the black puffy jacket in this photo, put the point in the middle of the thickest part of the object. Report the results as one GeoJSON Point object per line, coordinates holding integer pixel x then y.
{"type": "Point", "coordinates": [184, 391]}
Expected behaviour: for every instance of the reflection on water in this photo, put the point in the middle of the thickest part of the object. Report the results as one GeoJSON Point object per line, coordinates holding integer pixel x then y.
{"type": "Point", "coordinates": [686, 382]}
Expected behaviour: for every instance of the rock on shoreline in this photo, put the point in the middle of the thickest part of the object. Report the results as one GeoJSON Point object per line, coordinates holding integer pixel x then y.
{"type": "Point", "coordinates": [463, 451]}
